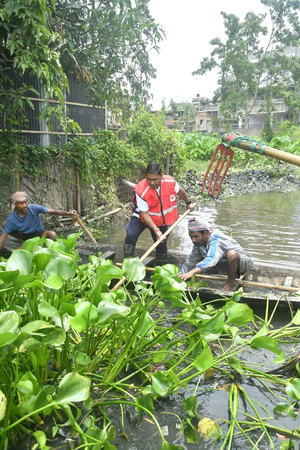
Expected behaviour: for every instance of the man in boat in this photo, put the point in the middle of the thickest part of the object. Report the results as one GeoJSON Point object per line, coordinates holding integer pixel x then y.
{"type": "Point", "coordinates": [25, 222]}
{"type": "Point", "coordinates": [155, 200]}
{"type": "Point", "coordinates": [214, 252]}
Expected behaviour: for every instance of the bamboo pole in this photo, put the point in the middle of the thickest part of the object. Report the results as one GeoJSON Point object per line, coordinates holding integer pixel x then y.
{"type": "Point", "coordinates": [155, 245]}
{"type": "Point", "coordinates": [110, 213]}
{"type": "Point", "coordinates": [78, 191]}
{"type": "Point", "coordinates": [89, 234]}
{"type": "Point", "coordinates": [241, 282]}
{"type": "Point", "coordinates": [266, 151]}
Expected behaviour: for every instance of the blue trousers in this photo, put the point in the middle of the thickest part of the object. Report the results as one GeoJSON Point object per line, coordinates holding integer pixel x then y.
{"type": "Point", "coordinates": [134, 229]}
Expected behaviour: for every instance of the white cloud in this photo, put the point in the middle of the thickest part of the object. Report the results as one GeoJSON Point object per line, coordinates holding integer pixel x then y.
{"type": "Point", "coordinates": [190, 26]}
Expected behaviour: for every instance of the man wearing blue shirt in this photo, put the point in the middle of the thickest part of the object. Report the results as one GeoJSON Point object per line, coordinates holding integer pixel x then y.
{"type": "Point", "coordinates": [25, 222]}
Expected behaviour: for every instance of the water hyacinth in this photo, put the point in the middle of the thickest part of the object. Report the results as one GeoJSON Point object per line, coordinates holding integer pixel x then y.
{"type": "Point", "coordinates": [74, 349]}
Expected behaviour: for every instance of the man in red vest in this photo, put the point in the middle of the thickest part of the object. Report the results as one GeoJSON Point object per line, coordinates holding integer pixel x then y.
{"type": "Point", "coordinates": [155, 202]}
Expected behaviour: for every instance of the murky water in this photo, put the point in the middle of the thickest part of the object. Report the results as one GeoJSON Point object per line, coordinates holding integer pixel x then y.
{"type": "Point", "coordinates": [267, 226]}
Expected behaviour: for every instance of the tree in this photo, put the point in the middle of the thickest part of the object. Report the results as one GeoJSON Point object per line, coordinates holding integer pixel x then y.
{"type": "Point", "coordinates": [252, 61]}
{"type": "Point", "coordinates": [104, 44]}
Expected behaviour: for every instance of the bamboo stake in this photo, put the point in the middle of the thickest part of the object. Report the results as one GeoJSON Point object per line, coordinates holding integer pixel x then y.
{"type": "Point", "coordinates": [110, 213]}
{"type": "Point", "coordinates": [241, 282]}
{"type": "Point", "coordinates": [269, 151]}
{"type": "Point", "coordinates": [155, 245]}
{"type": "Point", "coordinates": [89, 234]}
{"type": "Point", "coordinates": [78, 190]}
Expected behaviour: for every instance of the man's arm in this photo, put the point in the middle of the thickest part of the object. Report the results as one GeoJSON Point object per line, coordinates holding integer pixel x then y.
{"type": "Point", "coordinates": [150, 224]}
{"type": "Point", "coordinates": [190, 274]}
{"type": "Point", "coordinates": [3, 238]}
{"type": "Point", "coordinates": [182, 194]}
{"type": "Point", "coordinates": [189, 267]}
{"type": "Point", "coordinates": [58, 212]}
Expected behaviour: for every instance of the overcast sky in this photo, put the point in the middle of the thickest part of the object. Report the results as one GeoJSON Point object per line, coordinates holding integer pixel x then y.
{"type": "Point", "coordinates": [190, 26]}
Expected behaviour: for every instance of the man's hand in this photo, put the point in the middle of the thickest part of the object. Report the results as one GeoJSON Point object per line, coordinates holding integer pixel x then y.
{"type": "Point", "coordinates": [191, 207]}
{"type": "Point", "coordinates": [190, 274]}
{"type": "Point", "coordinates": [158, 233]}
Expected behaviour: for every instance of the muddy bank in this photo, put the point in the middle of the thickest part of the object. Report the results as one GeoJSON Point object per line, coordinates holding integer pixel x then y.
{"type": "Point", "coordinates": [281, 179]}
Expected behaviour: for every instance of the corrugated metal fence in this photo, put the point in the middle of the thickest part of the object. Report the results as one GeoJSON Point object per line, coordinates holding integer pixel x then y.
{"type": "Point", "coordinates": [90, 118]}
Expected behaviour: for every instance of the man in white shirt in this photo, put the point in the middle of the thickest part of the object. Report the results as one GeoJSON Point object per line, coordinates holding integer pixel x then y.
{"type": "Point", "coordinates": [155, 202]}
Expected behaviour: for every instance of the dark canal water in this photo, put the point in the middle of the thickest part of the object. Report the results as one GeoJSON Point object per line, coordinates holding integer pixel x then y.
{"type": "Point", "coordinates": [267, 226]}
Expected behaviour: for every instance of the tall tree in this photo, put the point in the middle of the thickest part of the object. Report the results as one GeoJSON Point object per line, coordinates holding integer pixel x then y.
{"type": "Point", "coordinates": [104, 44]}
{"type": "Point", "coordinates": [254, 60]}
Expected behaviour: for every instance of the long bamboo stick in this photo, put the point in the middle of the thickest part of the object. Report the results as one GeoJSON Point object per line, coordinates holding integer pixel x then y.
{"type": "Point", "coordinates": [110, 213]}
{"type": "Point", "coordinates": [264, 150]}
{"type": "Point", "coordinates": [155, 245]}
{"type": "Point", "coordinates": [89, 234]}
{"type": "Point", "coordinates": [237, 281]}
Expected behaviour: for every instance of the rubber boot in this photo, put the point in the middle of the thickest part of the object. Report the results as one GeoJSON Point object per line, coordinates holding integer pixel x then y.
{"type": "Point", "coordinates": [128, 250]}
{"type": "Point", "coordinates": [161, 259]}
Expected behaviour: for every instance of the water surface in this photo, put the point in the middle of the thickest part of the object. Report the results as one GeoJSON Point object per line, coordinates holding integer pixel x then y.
{"type": "Point", "coordinates": [266, 225]}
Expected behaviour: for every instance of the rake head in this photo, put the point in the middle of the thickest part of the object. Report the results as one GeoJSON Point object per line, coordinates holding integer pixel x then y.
{"type": "Point", "coordinates": [217, 169]}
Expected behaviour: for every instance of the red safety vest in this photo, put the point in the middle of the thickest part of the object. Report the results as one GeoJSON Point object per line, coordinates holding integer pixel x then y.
{"type": "Point", "coordinates": [163, 208]}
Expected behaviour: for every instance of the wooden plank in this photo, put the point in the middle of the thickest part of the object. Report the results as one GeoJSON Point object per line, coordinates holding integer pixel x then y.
{"type": "Point", "coordinates": [149, 260]}
{"type": "Point", "coordinates": [288, 281]}
{"type": "Point", "coordinates": [108, 255]}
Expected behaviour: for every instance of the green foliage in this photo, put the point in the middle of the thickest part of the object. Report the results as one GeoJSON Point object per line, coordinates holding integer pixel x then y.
{"type": "Point", "coordinates": [104, 45]}
{"type": "Point", "coordinates": [152, 141]}
{"type": "Point", "coordinates": [287, 128]}
{"type": "Point", "coordinates": [200, 146]}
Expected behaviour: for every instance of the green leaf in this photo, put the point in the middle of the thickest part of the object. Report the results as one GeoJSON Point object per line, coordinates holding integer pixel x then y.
{"type": "Point", "coordinates": [109, 310]}
{"type": "Point", "coordinates": [41, 439]}
{"type": "Point", "coordinates": [53, 282]}
{"type": "Point", "coordinates": [70, 241]}
{"type": "Point", "coordinates": [134, 269]}
{"type": "Point", "coordinates": [63, 266]}
{"type": "Point", "coordinates": [295, 320]}
{"type": "Point", "coordinates": [146, 402]}
{"type": "Point", "coordinates": [265, 342]}
{"type": "Point", "coordinates": [280, 359]}
{"type": "Point", "coordinates": [204, 361]}
{"type": "Point", "coordinates": [167, 446]}
{"type": "Point", "coordinates": [86, 316]}
{"type": "Point", "coordinates": [8, 276]}
{"type": "Point", "coordinates": [9, 321]}
{"type": "Point", "coordinates": [190, 432]}
{"type": "Point", "coordinates": [7, 338]}
{"type": "Point", "coordinates": [30, 244]}
{"type": "Point", "coordinates": [293, 388]}
{"type": "Point", "coordinates": [283, 408]}
{"type": "Point", "coordinates": [20, 260]}
{"type": "Point", "coordinates": [41, 258]}
{"type": "Point", "coordinates": [145, 324]}
{"type": "Point", "coordinates": [212, 328]}
{"type": "Point", "coordinates": [73, 388]}
{"type": "Point", "coordinates": [3, 405]}
{"type": "Point", "coordinates": [161, 384]}
{"type": "Point", "coordinates": [190, 405]}
{"type": "Point", "coordinates": [47, 310]}
{"type": "Point", "coordinates": [236, 365]}
{"type": "Point", "coordinates": [35, 325]}
{"type": "Point", "coordinates": [237, 313]}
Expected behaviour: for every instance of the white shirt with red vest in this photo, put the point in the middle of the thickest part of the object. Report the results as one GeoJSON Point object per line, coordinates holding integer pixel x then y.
{"type": "Point", "coordinates": [151, 200]}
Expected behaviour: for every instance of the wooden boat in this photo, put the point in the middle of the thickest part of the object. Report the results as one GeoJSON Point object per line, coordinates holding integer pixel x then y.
{"type": "Point", "coordinates": [278, 283]}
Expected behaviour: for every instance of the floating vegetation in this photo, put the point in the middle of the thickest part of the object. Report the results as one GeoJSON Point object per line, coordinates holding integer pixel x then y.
{"type": "Point", "coordinates": [73, 349]}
